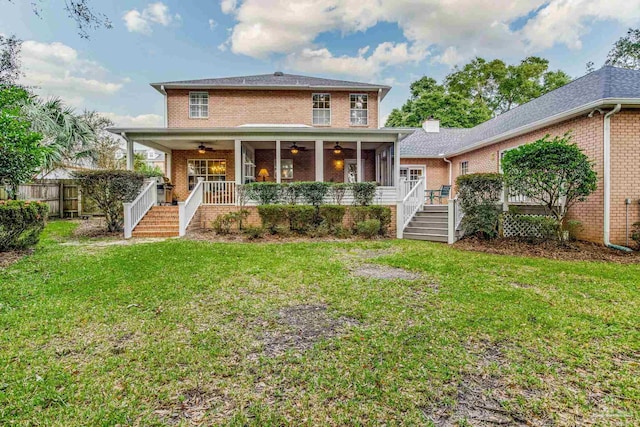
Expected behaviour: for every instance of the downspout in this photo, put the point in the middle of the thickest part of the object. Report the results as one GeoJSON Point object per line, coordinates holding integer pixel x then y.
{"type": "Point", "coordinates": [450, 170]}
{"type": "Point", "coordinates": [379, 94]}
{"type": "Point", "coordinates": [607, 180]}
{"type": "Point", "coordinates": [164, 92]}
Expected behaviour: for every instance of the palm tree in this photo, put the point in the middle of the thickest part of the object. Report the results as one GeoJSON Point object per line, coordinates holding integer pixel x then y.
{"type": "Point", "coordinates": [67, 135]}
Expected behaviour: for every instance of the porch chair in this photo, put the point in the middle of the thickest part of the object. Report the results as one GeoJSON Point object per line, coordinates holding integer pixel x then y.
{"type": "Point", "coordinates": [440, 194]}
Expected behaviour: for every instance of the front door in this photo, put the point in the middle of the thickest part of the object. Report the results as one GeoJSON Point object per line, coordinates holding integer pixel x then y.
{"type": "Point", "coordinates": [412, 173]}
{"type": "Point", "coordinates": [351, 172]}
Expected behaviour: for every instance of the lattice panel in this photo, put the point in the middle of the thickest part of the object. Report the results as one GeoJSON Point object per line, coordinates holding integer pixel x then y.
{"type": "Point", "coordinates": [512, 227]}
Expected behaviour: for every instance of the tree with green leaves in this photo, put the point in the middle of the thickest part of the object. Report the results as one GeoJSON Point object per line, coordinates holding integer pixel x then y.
{"type": "Point", "coordinates": [551, 171]}
{"type": "Point", "coordinates": [626, 51]}
{"type": "Point", "coordinates": [9, 59]}
{"type": "Point", "coordinates": [21, 151]}
{"type": "Point", "coordinates": [476, 92]}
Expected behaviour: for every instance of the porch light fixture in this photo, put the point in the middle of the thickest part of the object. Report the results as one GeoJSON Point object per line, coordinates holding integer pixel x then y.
{"type": "Point", "coordinates": [294, 149]}
{"type": "Point", "coordinates": [337, 149]}
{"type": "Point", "coordinates": [202, 149]}
{"type": "Point", "coordinates": [264, 174]}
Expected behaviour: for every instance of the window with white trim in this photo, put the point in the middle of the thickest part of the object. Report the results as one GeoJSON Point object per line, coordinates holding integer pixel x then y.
{"type": "Point", "coordinates": [321, 109]}
{"type": "Point", "coordinates": [207, 169]}
{"type": "Point", "coordinates": [359, 109]}
{"type": "Point", "coordinates": [198, 105]}
{"type": "Point", "coordinates": [464, 167]}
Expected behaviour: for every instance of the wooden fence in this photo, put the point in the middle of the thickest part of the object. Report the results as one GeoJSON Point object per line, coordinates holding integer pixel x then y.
{"type": "Point", "coordinates": [63, 197]}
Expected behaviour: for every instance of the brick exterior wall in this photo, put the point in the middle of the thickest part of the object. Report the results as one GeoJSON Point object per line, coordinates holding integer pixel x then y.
{"type": "Point", "coordinates": [437, 171]}
{"type": "Point", "coordinates": [207, 213]}
{"type": "Point", "coordinates": [587, 133]}
{"type": "Point", "coordinates": [229, 108]}
{"type": "Point", "coordinates": [179, 168]}
{"type": "Point", "coordinates": [304, 164]}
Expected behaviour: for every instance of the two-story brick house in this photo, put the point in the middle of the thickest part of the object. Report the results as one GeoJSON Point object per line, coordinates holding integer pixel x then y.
{"type": "Point", "coordinates": [275, 127]}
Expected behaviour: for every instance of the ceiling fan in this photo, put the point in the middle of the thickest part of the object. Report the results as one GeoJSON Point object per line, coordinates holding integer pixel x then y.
{"type": "Point", "coordinates": [294, 149]}
{"type": "Point", "coordinates": [202, 149]}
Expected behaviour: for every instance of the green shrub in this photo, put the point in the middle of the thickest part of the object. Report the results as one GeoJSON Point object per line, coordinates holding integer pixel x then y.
{"type": "Point", "coordinates": [363, 193]}
{"type": "Point", "coordinates": [272, 216]}
{"type": "Point", "coordinates": [282, 230]}
{"type": "Point", "coordinates": [109, 189]}
{"type": "Point", "coordinates": [479, 195]}
{"type": "Point", "coordinates": [21, 223]}
{"type": "Point", "coordinates": [301, 217]}
{"type": "Point", "coordinates": [364, 213]}
{"type": "Point", "coordinates": [573, 227]}
{"type": "Point", "coordinates": [290, 192]}
{"type": "Point", "coordinates": [332, 215]}
{"type": "Point", "coordinates": [265, 193]}
{"type": "Point", "coordinates": [338, 191]}
{"type": "Point", "coordinates": [369, 228]}
{"type": "Point", "coordinates": [635, 234]}
{"type": "Point", "coordinates": [223, 223]}
{"type": "Point", "coordinates": [321, 230]}
{"type": "Point", "coordinates": [313, 193]}
{"type": "Point", "coordinates": [342, 232]}
{"type": "Point", "coordinates": [254, 233]}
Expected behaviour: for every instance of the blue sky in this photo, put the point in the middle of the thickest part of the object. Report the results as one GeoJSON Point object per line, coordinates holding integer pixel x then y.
{"type": "Point", "coordinates": [393, 42]}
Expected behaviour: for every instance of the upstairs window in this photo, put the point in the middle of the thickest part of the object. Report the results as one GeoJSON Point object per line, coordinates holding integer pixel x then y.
{"type": "Point", "coordinates": [321, 109]}
{"type": "Point", "coordinates": [359, 110]}
{"type": "Point", "coordinates": [464, 168]}
{"type": "Point", "coordinates": [198, 105]}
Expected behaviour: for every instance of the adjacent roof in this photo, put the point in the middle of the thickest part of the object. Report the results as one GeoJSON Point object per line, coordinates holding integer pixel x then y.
{"type": "Point", "coordinates": [276, 80]}
{"type": "Point", "coordinates": [608, 85]}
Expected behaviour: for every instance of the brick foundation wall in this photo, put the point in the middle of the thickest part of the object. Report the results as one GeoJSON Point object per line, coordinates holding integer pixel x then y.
{"type": "Point", "coordinates": [206, 214]}
{"type": "Point", "coordinates": [229, 108]}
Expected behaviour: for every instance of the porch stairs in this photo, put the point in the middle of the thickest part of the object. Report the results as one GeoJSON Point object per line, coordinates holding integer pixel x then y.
{"type": "Point", "coordinates": [159, 221]}
{"type": "Point", "coordinates": [430, 224]}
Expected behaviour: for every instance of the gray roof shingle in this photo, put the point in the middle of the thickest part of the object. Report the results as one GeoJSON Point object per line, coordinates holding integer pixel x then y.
{"type": "Point", "coordinates": [275, 80]}
{"type": "Point", "coordinates": [607, 82]}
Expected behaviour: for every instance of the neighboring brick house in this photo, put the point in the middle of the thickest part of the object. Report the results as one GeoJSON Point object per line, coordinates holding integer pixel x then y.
{"type": "Point", "coordinates": [273, 127]}
{"type": "Point", "coordinates": [601, 110]}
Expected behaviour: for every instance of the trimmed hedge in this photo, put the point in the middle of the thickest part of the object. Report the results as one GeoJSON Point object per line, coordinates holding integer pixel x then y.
{"type": "Point", "coordinates": [364, 213]}
{"type": "Point", "coordinates": [332, 215]}
{"type": "Point", "coordinates": [21, 223]}
{"type": "Point", "coordinates": [301, 218]}
{"type": "Point", "coordinates": [312, 193]}
{"type": "Point", "coordinates": [272, 216]}
{"type": "Point", "coordinates": [363, 193]}
{"type": "Point", "coordinates": [479, 194]}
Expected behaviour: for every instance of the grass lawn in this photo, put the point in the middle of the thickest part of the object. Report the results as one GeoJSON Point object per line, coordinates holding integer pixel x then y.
{"type": "Point", "coordinates": [183, 332]}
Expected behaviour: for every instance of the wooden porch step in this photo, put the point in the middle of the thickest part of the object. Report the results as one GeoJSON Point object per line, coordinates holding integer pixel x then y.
{"type": "Point", "coordinates": [160, 221]}
{"type": "Point", "coordinates": [415, 229]}
{"type": "Point", "coordinates": [427, 237]}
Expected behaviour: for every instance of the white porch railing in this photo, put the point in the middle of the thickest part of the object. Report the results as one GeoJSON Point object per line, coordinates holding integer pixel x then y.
{"type": "Point", "coordinates": [406, 186]}
{"type": "Point", "coordinates": [219, 193]}
{"type": "Point", "coordinates": [188, 208]}
{"type": "Point", "coordinates": [136, 210]}
{"type": "Point", "coordinates": [455, 218]}
{"type": "Point", "coordinates": [412, 202]}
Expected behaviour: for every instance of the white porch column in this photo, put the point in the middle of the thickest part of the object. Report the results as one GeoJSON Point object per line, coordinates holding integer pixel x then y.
{"type": "Point", "coordinates": [237, 152]}
{"type": "Point", "coordinates": [278, 172]}
{"type": "Point", "coordinates": [319, 161]}
{"type": "Point", "coordinates": [358, 161]}
{"type": "Point", "coordinates": [129, 152]}
{"type": "Point", "coordinates": [396, 166]}
{"type": "Point", "coordinates": [168, 165]}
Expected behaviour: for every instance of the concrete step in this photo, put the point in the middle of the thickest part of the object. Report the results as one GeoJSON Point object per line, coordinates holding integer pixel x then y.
{"type": "Point", "coordinates": [427, 237]}
{"type": "Point", "coordinates": [425, 230]}
{"type": "Point", "coordinates": [152, 233]}
{"type": "Point", "coordinates": [435, 208]}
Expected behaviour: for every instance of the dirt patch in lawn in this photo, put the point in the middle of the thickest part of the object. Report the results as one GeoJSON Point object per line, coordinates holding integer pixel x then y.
{"type": "Point", "coordinates": [94, 227]}
{"type": "Point", "coordinates": [480, 397]}
{"type": "Point", "coordinates": [191, 406]}
{"type": "Point", "coordinates": [573, 251]}
{"type": "Point", "coordinates": [11, 257]}
{"type": "Point", "coordinates": [385, 272]}
{"type": "Point", "coordinates": [299, 327]}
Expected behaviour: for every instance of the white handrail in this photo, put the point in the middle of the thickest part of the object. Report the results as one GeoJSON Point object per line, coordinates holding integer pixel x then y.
{"type": "Point", "coordinates": [455, 218]}
{"type": "Point", "coordinates": [136, 210]}
{"type": "Point", "coordinates": [188, 208]}
{"type": "Point", "coordinates": [413, 202]}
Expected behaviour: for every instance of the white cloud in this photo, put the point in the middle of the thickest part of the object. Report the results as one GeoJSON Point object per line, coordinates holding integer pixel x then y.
{"type": "Point", "coordinates": [56, 69]}
{"type": "Point", "coordinates": [154, 13]}
{"type": "Point", "coordinates": [458, 29]}
{"type": "Point", "coordinates": [212, 24]}
{"type": "Point", "coordinates": [385, 55]}
{"type": "Point", "coordinates": [142, 120]}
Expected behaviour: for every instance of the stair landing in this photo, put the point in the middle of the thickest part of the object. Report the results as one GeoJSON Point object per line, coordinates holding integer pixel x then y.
{"type": "Point", "coordinates": [160, 221]}
{"type": "Point", "coordinates": [430, 223]}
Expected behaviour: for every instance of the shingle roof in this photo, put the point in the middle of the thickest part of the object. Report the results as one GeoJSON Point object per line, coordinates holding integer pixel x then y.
{"type": "Point", "coordinates": [606, 83]}
{"type": "Point", "coordinates": [275, 80]}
